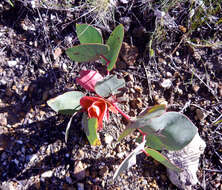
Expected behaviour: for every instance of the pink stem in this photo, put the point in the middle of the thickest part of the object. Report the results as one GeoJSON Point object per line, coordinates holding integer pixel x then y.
{"type": "Point", "coordinates": [121, 112]}
{"type": "Point", "coordinates": [142, 133]}
{"type": "Point", "coordinates": [107, 62]}
{"type": "Point", "coordinates": [129, 119]}
{"type": "Point", "coordinates": [145, 152]}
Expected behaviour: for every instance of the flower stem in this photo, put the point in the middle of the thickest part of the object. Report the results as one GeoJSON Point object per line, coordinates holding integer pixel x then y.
{"type": "Point", "coordinates": [129, 119]}
{"type": "Point", "coordinates": [107, 62]}
{"type": "Point", "coordinates": [143, 134]}
{"type": "Point", "coordinates": [121, 112]}
{"type": "Point", "coordinates": [145, 152]}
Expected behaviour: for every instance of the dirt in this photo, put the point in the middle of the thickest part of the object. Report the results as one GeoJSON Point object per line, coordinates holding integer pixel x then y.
{"type": "Point", "coordinates": [35, 68]}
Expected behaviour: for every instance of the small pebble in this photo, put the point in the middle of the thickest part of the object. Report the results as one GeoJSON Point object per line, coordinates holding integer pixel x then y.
{"type": "Point", "coordinates": [130, 77]}
{"type": "Point", "coordinates": [79, 171]}
{"type": "Point", "coordinates": [12, 63]}
{"type": "Point", "coordinates": [200, 114]}
{"type": "Point", "coordinates": [121, 155]}
{"type": "Point", "coordinates": [19, 141]}
{"type": "Point", "coordinates": [80, 186]}
{"type": "Point", "coordinates": [166, 83]}
{"type": "Point", "coordinates": [196, 88]}
{"type": "Point", "coordinates": [69, 179]}
{"type": "Point", "coordinates": [124, 1]}
{"type": "Point", "coordinates": [103, 171]}
{"type": "Point", "coordinates": [169, 75]}
{"type": "Point", "coordinates": [108, 139]}
{"type": "Point", "coordinates": [47, 174]}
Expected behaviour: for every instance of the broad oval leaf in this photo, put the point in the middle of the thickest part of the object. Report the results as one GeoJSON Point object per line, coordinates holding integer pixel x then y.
{"type": "Point", "coordinates": [67, 103]}
{"type": "Point", "coordinates": [148, 114]}
{"type": "Point", "coordinates": [162, 159]}
{"type": "Point", "coordinates": [152, 112]}
{"type": "Point", "coordinates": [171, 130]}
{"type": "Point", "coordinates": [87, 52]}
{"type": "Point", "coordinates": [88, 34]}
{"type": "Point", "coordinates": [130, 160]}
{"type": "Point", "coordinates": [109, 85]}
{"type": "Point", "coordinates": [151, 141]}
{"type": "Point", "coordinates": [114, 42]}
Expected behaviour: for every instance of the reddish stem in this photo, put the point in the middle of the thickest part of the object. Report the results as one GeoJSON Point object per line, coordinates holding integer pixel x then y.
{"type": "Point", "coordinates": [143, 134]}
{"type": "Point", "coordinates": [145, 152]}
{"type": "Point", "coordinates": [121, 112]}
{"type": "Point", "coordinates": [129, 119]}
{"type": "Point", "coordinates": [107, 62]}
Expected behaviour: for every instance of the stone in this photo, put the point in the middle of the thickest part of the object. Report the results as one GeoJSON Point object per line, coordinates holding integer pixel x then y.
{"type": "Point", "coordinates": [108, 139]}
{"type": "Point", "coordinates": [200, 114]}
{"type": "Point", "coordinates": [3, 119]}
{"type": "Point", "coordinates": [57, 53]}
{"type": "Point", "coordinates": [80, 186]}
{"type": "Point", "coordinates": [69, 180]}
{"type": "Point", "coordinates": [166, 83]}
{"type": "Point", "coordinates": [188, 160]}
{"type": "Point", "coordinates": [129, 53]}
{"type": "Point", "coordinates": [79, 171]}
{"type": "Point", "coordinates": [124, 1]}
{"type": "Point", "coordinates": [12, 63]}
{"type": "Point", "coordinates": [196, 88]}
{"type": "Point", "coordinates": [104, 171]}
{"type": "Point", "coordinates": [47, 174]}
{"type": "Point", "coordinates": [4, 141]}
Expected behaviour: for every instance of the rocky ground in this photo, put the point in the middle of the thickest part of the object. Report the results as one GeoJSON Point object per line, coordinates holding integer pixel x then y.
{"type": "Point", "coordinates": [185, 72]}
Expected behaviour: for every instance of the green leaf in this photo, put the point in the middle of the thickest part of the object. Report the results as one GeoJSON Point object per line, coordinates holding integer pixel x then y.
{"type": "Point", "coordinates": [87, 52]}
{"type": "Point", "coordinates": [129, 161]}
{"type": "Point", "coordinates": [67, 103]}
{"type": "Point", "coordinates": [148, 114]}
{"type": "Point", "coordinates": [151, 141]}
{"type": "Point", "coordinates": [171, 130]}
{"type": "Point", "coordinates": [109, 85]}
{"type": "Point", "coordinates": [155, 111]}
{"type": "Point", "coordinates": [90, 128]}
{"type": "Point", "coordinates": [154, 142]}
{"type": "Point", "coordinates": [162, 159]}
{"type": "Point", "coordinates": [88, 34]}
{"type": "Point", "coordinates": [114, 42]}
{"type": "Point", "coordinates": [152, 53]}
{"type": "Point", "coordinates": [125, 133]}
{"type": "Point", "coordinates": [218, 122]}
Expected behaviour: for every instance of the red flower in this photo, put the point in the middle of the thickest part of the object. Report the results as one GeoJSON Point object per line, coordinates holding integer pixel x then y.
{"type": "Point", "coordinates": [97, 108]}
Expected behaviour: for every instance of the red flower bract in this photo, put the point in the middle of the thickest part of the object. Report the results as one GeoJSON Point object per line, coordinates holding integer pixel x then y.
{"type": "Point", "coordinates": [88, 79]}
{"type": "Point", "coordinates": [97, 108]}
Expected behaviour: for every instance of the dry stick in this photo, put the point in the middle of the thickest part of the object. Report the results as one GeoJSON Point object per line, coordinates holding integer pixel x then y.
{"type": "Point", "coordinates": [128, 118]}
{"type": "Point", "coordinates": [171, 55]}
{"type": "Point", "coordinates": [216, 120]}
{"type": "Point", "coordinates": [47, 40]}
{"type": "Point", "coordinates": [182, 39]}
{"type": "Point", "coordinates": [211, 90]}
{"type": "Point", "coordinates": [67, 24]}
{"type": "Point", "coordinates": [121, 112]}
{"type": "Point", "coordinates": [187, 104]}
{"type": "Point", "coordinates": [208, 112]}
{"type": "Point", "coordinates": [148, 82]}
{"type": "Point", "coordinates": [193, 73]}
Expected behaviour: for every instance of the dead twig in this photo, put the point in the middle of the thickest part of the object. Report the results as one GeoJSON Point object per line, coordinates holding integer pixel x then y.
{"type": "Point", "coordinates": [148, 82]}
